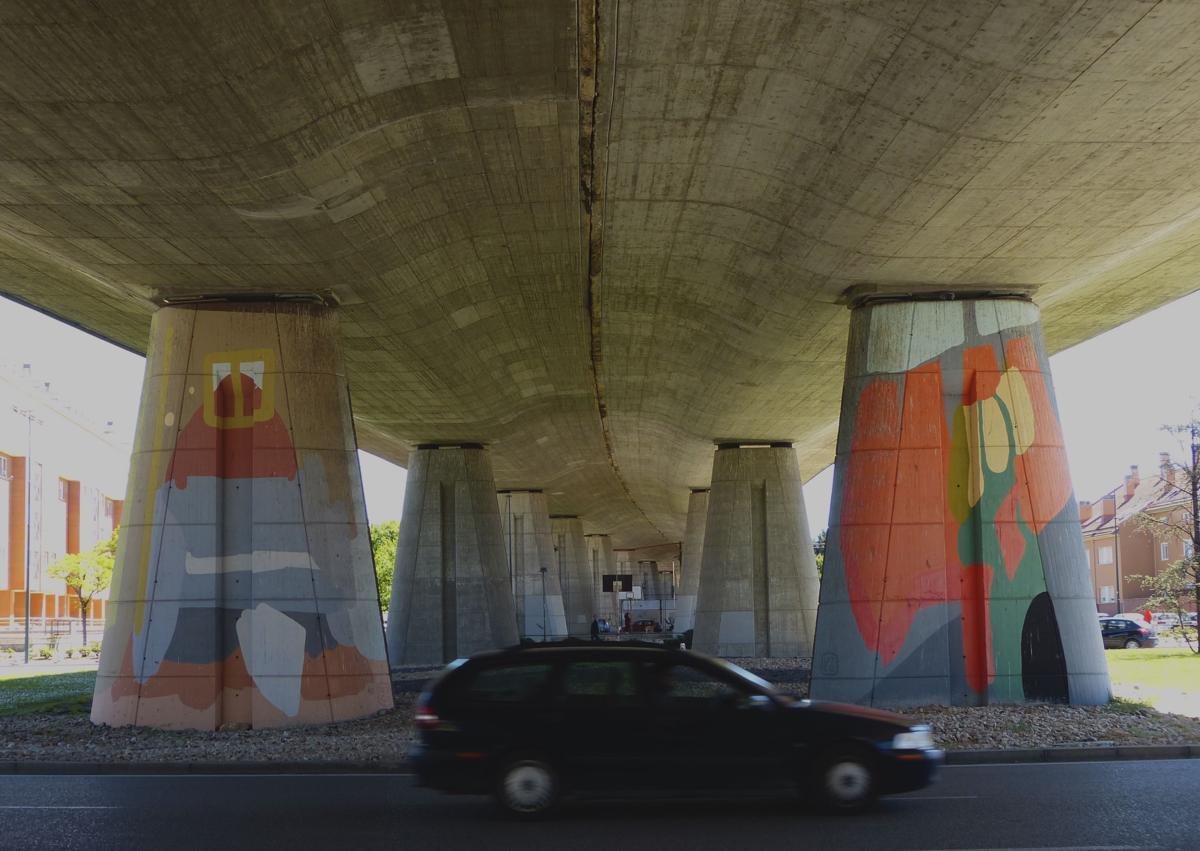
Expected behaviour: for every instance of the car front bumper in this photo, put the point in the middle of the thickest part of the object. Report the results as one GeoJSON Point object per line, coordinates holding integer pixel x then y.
{"type": "Point", "coordinates": [906, 771]}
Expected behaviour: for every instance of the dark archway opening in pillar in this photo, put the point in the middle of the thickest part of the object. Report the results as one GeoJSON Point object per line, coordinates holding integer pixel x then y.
{"type": "Point", "coordinates": [1043, 663]}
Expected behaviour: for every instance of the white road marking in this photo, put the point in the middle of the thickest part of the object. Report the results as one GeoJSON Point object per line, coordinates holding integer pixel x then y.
{"type": "Point", "coordinates": [32, 807]}
{"type": "Point", "coordinates": [937, 798]}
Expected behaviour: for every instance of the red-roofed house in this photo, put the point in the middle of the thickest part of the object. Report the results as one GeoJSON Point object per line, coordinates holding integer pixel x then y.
{"type": "Point", "coordinates": [1118, 550]}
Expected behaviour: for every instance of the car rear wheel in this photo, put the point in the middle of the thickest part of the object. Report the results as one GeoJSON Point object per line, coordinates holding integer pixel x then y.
{"type": "Point", "coordinates": [1132, 644]}
{"type": "Point", "coordinates": [845, 781]}
{"type": "Point", "coordinates": [527, 788]}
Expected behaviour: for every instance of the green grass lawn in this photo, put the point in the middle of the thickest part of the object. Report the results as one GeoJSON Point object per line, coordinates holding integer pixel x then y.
{"type": "Point", "coordinates": [21, 694]}
{"type": "Point", "coordinates": [1175, 668]}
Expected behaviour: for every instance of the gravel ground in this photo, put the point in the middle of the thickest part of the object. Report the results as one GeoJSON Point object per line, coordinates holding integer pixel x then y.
{"type": "Point", "coordinates": [385, 737]}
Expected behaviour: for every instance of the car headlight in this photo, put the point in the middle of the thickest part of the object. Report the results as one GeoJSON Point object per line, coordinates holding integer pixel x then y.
{"type": "Point", "coordinates": [916, 739]}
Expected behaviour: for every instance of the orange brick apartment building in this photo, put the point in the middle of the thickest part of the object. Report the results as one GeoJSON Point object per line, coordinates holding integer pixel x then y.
{"type": "Point", "coordinates": [77, 468]}
{"type": "Point", "coordinates": [1118, 550]}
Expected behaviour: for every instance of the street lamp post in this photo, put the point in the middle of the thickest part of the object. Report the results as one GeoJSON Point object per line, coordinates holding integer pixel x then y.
{"type": "Point", "coordinates": [30, 418]}
{"type": "Point", "coordinates": [543, 572]}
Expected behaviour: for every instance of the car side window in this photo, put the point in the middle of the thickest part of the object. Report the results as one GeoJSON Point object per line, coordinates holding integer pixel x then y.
{"type": "Point", "coordinates": [608, 684]}
{"type": "Point", "coordinates": [508, 684]}
{"type": "Point", "coordinates": [686, 685]}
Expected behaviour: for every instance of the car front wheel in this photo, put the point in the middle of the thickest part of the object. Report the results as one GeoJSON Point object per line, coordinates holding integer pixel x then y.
{"type": "Point", "coordinates": [527, 788]}
{"type": "Point", "coordinates": [845, 781]}
{"type": "Point", "coordinates": [1132, 644]}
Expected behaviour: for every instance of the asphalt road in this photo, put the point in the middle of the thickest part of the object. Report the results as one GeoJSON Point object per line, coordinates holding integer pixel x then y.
{"type": "Point", "coordinates": [1077, 805]}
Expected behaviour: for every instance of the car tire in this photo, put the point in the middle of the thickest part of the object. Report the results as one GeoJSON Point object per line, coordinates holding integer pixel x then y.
{"type": "Point", "coordinates": [1132, 644]}
{"type": "Point", "coordinates": [527, 788]}
{"type": "Point", "coordinates": [845, 780]}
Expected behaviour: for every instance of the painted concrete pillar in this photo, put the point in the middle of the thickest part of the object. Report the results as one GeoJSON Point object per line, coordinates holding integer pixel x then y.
{"type": "Point", "coordinates": [533, 567]}
{"type": "Point", "coordinates": [690, 560]}
{"type": "Point", "coordinates": [602, 560]}
{"type": "Point", "coordinates": [758, 576]}
{"type": "Point", "coordinates": [574, 574]}
{"type": "Point", "coordinates": [244, 591]}
{"type": "Point", "coordinates": [954, 569]}
{"type": "Point", "coordinates": [450, 592]}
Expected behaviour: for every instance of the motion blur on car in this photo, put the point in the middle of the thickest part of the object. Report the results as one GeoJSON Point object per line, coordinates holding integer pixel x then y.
{"type": "Point", "coordinates": [535, 723]}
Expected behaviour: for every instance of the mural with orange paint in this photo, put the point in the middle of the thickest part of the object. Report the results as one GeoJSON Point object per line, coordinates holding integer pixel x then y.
{"type": "Point", "coordinates": [244, 591]}
{"type": "Point", "coordinates": [954, 569]}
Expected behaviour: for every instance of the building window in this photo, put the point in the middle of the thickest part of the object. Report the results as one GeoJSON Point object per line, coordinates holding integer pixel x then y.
{"type": "Point", "coordinates": [1188, 549]}
{"type": "Point", "coordinates": [1164, 551]}
{"type": "Point", "coordinates": [62, 490]}
{"type": "Point", "coordinates": [1106, 555]}
{"type": "Point", "coordinates": [108, 507]}
{"type": "Point", "coordinates": [1107, 595]}
{"type": "Point", "coordinates": [5, 470]}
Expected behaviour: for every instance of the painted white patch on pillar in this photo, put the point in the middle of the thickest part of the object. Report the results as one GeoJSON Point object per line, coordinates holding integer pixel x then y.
{"type": "Point", "coordinates": [273, 647]}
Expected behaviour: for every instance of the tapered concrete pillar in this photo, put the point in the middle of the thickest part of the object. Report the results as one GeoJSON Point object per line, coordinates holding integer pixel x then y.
{"type": "Point", "coordinates": [574, 574]}
{"type": "Point", "coordinates": [758, 576]}
{"type": "Point", "coordinates": [954, 569]}
{"type": "Point", "coordinates": [450, 593]}
{"type": "Point", "coordinates": [244, 592]}
{"type": "Point", "coordinates": [690, 560]}
{"type": "Point", "coordinates": [533, 567]}
{"type": "Point", "coordinates": [602, 560]}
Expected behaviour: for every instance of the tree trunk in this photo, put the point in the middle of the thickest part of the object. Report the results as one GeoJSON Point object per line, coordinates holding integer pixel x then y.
{"type": "Point", "coordinates": [83, 607]}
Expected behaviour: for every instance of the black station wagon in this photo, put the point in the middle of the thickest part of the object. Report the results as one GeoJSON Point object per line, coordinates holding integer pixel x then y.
{"type": "Point", "coordinates": [531, 723]}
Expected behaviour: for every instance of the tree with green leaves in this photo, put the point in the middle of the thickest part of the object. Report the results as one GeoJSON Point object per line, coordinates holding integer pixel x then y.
{"type": "Point", "coordinates": [88, 573]}
{"type": "Point", "coordinates": [1180, 581]}
{"type": "Point", "coordinates": [819, 551]}
{"type": "Point", "coordinates": [384, 537]}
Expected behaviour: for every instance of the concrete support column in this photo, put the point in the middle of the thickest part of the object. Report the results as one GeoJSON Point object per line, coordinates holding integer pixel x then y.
{"type": "Point", "coordinates": [758, 577]}
{"type": "Point", "coordinates": [450, 593]}
{"type": "Point", "coordinates": [954, 569]}
{"type": "Point", "coordinates": [533, 566]}
{"type": "Point", "coordinates": [574, 574]}
{"type": "Point", "coordinates": [602, 560]}
{"type": "Point", "coordinates": [244, 592]}
{"type": "Point", "coordinates": [690, 560]}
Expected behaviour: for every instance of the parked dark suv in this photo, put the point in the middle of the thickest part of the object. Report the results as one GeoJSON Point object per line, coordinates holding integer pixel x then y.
{"type": "Point", "coordinates": [530, 723]}
{"type": "Point", "coordinates": [1118, 632]}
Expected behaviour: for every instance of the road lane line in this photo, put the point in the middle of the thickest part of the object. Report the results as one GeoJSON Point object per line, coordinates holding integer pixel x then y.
{"type": "Point", "coordinates": [936, 798]}
{"type": "Point", "coordinates": [50, 807]}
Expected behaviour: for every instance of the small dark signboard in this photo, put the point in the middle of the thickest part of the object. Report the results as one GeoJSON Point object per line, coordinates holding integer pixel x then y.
{"type": "Point", "coordinates": [625, 579]}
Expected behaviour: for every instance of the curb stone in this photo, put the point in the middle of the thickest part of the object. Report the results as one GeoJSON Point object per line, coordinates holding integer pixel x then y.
{"type": "Point", "coordinates": [1079, 754]}
{"type": "Point", "coordinates": [954, 757]}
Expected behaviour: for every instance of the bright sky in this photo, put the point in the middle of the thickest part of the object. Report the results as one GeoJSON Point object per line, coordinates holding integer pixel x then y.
{"type": "Point", "coordinates": [1113, 391]}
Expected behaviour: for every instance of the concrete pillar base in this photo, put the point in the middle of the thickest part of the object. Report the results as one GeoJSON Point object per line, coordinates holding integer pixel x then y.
{"type": "Point", "coordinates": [690, 560]}
{"type": "Point", "coordinates": [533, 570]}
{"type": "Point", "coordinates": [954, 569]}
{"type": "Point", "coordinates": [450, 591]}
{"type": "Point", "coordinates": [758, 585]}
{"type": "Point", "coordinates": [575, 576]}
{"type": "Point", "coordinates": [602, 560]}
{"type": "Point", "coordinates": [244, 592]}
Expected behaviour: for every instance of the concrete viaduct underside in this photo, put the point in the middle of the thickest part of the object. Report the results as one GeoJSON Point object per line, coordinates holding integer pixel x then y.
{"type": "Point", "coordinates": [598, 237]}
